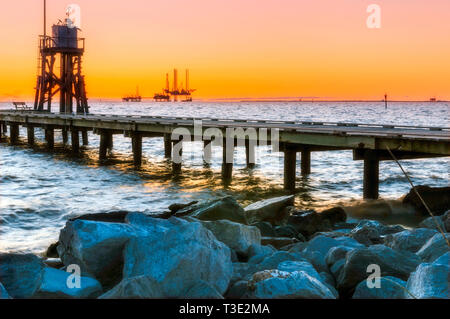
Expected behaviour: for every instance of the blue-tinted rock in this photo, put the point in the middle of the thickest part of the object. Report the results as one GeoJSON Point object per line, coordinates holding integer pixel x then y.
{"type": "Point", "coordinates": [409, 240]}
{"type": "Point", "coordinates": [140, 287]}
{"type": "Point", "coordinates": [270, 210]}
{"type": "Point", "coordinates": [390, 288]}
{"type": "Point", "coordinates": [435, 247]}
{"type": "Point", "coordinates": [430, 281]}
{"type": "Point", "coordinates": [3, 293]}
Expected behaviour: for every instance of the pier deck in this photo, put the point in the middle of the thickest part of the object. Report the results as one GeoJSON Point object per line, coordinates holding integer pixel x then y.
{"type": "Point", "coordinates": [369, 142]}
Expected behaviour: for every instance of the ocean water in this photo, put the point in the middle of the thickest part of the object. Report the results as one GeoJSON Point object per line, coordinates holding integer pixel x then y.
{"type": "Point", "coordinates": [40, 190]}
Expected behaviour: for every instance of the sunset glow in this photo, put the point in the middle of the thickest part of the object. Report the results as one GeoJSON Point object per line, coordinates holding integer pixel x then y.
{"type": "Point", "coordinates": [242, 48]}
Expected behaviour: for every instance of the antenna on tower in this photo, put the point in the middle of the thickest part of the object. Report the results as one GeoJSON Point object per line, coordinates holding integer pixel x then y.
{"type": "Point", "coordinates": [45, 19]}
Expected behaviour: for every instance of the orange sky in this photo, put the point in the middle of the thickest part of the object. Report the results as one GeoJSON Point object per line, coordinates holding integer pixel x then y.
{"type": "Point", "coordinates": [242, 48]}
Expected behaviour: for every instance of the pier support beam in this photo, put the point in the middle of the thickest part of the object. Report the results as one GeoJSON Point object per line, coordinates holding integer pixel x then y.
{"type": "Point", "coordinates": [136, 142]}
{"type": "Point", "coordinates": [5, 128]}
{"type": "Point", "coordinates": [104, 142]}
{"type": "Point", "coordinates": [50, 137]}
{"type": "Point", "coordinates": [250, 154]}
{"type": "Point", "coordinates": [371, 175]}
{"type": "Point", "coordinates": [177, 156]}
{"type": "Point", "coordinates": [84, 137]}
{"type": "Point", "coordinates": [290, 159]}
{"type": "Point", "coordinates": [30, 135]}
{"type": "Point", "coordinates": [305, 163]}
{"type": "Point", "coordinates": [13, 134]}
{"type": "Point", "coordinates": [75, 137]}
{"type": "Point", "coordinates": [227, 160]}
{"type": "Point", "coordinates": [167, 145]}
{"type": "Point", "coordinates": [65, 136]}
{"type": "Point", "coordinates": [207, 152]}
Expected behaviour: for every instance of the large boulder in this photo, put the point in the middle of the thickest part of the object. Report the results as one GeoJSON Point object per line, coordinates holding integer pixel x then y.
{"type": "Point", "coordinates": [21, 274]}
{"type": "Point", "coordinates": [237, 236]}
{"type": "Point", "coordinates": [391, 263]}
{"type": "Point", "coordinates": [436, 198]}
{"type": "Point", "coordinates": [430, 281]}
{"type": "Point", "coordinates": [435, 223]}
{"type": "Point", "coordinates": [3, 293]}
{"type": "Point", "coordinates": [435, 247]}
{"type": "Point", "coordinates": [140, 287]}
{"type": "Point", "coordinates": [96, 247]}
{"type": "Point", "coordinates": [202, 290]}
{"type": "Point", "coordinates": [176, 254]}
{"type": "Point", "coordinates": [222, 208]}
{"type": "Point", "coordinates": [265, 228]}
{"type": "Point", "coordinates": [308, 222]}
{"type": "Point", "coordinates": [55, 285]}
{"type": "Point", "coordinates": [319, 246]}
{"type": "Point", "coordinates": [390, 288]}
{"type": "Point", "coordinates": [276, 284]}
{"type": "Point", "coordinates": [410, 240]}
{"type": "Point", "coordinates": [270, 210]}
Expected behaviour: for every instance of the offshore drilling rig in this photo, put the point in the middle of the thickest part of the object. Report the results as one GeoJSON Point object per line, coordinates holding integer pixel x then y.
{"type": "Point", "coordinates": [65, 49]}
{"type": "Point", "coordinates": [168, 94]}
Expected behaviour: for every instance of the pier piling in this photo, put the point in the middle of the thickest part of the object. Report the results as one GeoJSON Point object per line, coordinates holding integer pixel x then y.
{"type": "Point", "coordinates": [305, 163]}
{"type": "Point", "coordinates": [50, 137]}
{"type": "Point", "coordinates": [30, 135]}
{"type": "Point", "coordinates": [75, 136]}
{"type": "Point", "coordinates": [207, 151]}
{"type": "Point", "coordinates": [250, 154]}
{"type": "Point", "coordinates": [167, 145]}
{"type": "Point", "coordinates": [290, 159]}
{"type": "Point", "coordinates": [13, 134]}
{"type": "Point", "coordinates": [371, 175]}
{"type": "Point", "coordinates": [84, 137]}
{"type": "Point", "coordinates": [65, 136]}
{"type": "Point", "coordinates": [177, 158]}
{"type": "Point", "coordinates": [136, 142]}
{"type": "Point", "coordinates": [104, 142]}
{"type": "Point", "coordinates": [227, 160]}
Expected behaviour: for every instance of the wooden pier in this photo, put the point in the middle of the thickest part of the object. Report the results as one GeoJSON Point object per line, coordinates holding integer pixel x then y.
{"type": "Point", "coordinates": [369, 142]}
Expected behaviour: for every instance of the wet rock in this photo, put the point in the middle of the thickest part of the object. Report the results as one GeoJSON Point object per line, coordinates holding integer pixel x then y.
{"type": "Point", "coordinates": [308, 222]}
{"type": "Point", "coordinates": [366, 234]}
{"type": "Point", "coordinates": [443, 260]}
{"type": "Point", "coordinates": [21, 274]}
{"type": "Point", "coordinates": [108, 217]}
{"type": "Point", "coordinates": [294, 265]}
{"type": "Point", "coordinates": [238, 290]}
{"type": "Point", "coordinates": [140, 287]}
{"type": "Point", "coordinates": [52, 251]}
{"type": "Point", "coordinates": [285, 231]}
{"type": "Point", "coordinates": [54, 263]}
{"type": "Point", "coordinates": [3, 293]}
{"type": "Point", "coordinates": [182, 254]}
{"type": "Point", "coordinates": [55, 286]}
{"type": "Point", "coordinates": [334, 215]}
{"type": "Point", "coordinates": [337, 253]}
{"type": "Point", "coordinates": [275, 284]}
{"type": "Point", "coordinates": [177, 207]}
{"type": "Point", "coordinates": [270, 210]}
{"type": "Point", "coordinates": [278, 242]}
{"type": "Point", "coordinates": [390, 288]}
{"type": "Point", "coordinates": [238, 237]}
{"type": "Point", "coordinates": [433, 223]}
{"type": "Point", "coordinates": [436, 198]}
{"type": "Point", "coordinates": [435, 247]}
{"type": "Point", "coordinates": [391, 263]}
{"type": "Point", "coordinates": [223, 208]}
{"type": "Point", "coordinates": [261, 251]}
{"type": "Point", "coordinates": [265, 228]}
{"type": "Point", "coordinates": [319, 246]}
{"type": "Point", "coordinates": [409, 240]}
{"type": "Point", "coordinates": [202, 290]}
{"type": "Point", "coordinates": [296, 247]}
{"type": "Point", "coordinates": [430, 281]}
{"type": "Point", "coordinates": [97, 247]}
{"type": "Point", "coordinates": [446, 220]}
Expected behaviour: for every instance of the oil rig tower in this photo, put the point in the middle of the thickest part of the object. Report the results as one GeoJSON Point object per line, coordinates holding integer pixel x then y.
{"type": "Point", "coordinates": [63, 46]}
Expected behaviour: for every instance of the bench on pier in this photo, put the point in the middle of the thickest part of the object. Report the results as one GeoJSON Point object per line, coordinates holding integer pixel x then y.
{"type": "Point", "coordinates": [21, 106]}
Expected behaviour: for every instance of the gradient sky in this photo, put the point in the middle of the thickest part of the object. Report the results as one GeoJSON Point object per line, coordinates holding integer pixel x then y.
{"type": "Point", "coordinates": [242, 48]}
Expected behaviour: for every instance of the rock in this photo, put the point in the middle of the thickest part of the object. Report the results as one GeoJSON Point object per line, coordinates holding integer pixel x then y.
{"type": "Point", "coordinates": [319, 246]}
{"type": "Point", "coordinates": [140, 287]}
{"type": "Point", "coordinates": [293, 265]}
{"type": "Point", "coordinates": [218, 209]}
{"type": "Point", "coordinates": [296, 247]}
{"type": "Point", "coordinates": [430, 281]}
{"type": "Point", "coordinates": [97, 247]}
{"type": "Point", "coordinates": [177, 207]}
{"type": "Point", "coordinates": [202, 290]}
{"type": "Point", "coordinates": [275, 284]}
{"type": "Point", "coordinates": [55, 285]}
{"type": "Point", "coordinates": [242, 271]}
{"type": "Point", "coordinates": [431, 222]}
{"type": "Point", "coordinates": [337, 253]}
{"type": "Point", "coordinates": [308, 222]}
{"type": "Point", "coordinates": [270, 210]}
{"type": "Point", "coordinates": [238, 290]}
{"type": "Point", "coordinates": [278, 242]}
{"type": "Point", "coordinates": [237, 236]}
{"type": "Point", "coordinates": [446, 221]}
{"type": "Point", "coordinates": [21, 274]}
{"type": "Point", "coordinates": [3, 293]}
{"type": "Point", "coordinates": [409, 240]}
{"type": "Point", "coordinates": [390, 288]}
{"type": "Point", "coordinates": [265, 228]}
{"type": "Point", "coordinates": [435, 247]}
{"type": "Point", "coordinates": [366, 235]}
{"type": "Point", "coordinates": [109, 217]}
{"type": "Point", "coordinates": [443, 260]}
{"type": "Point", "coordinates": [259, 250]}
{"type": "Point", "coordinates": [52, 251]}
{"type": "Point", "coordinates": [54, 263]}
{"type": "Point", "coordinates": [285, 231]}
{"type": "Point", "coordinates": [182, 254]}
{"type": "Point", "coordinates": [334, 215]}
{"type": "Point", "coordinates": [391, 263]}
{"type": "Point", "coordinates": [437, 199]}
